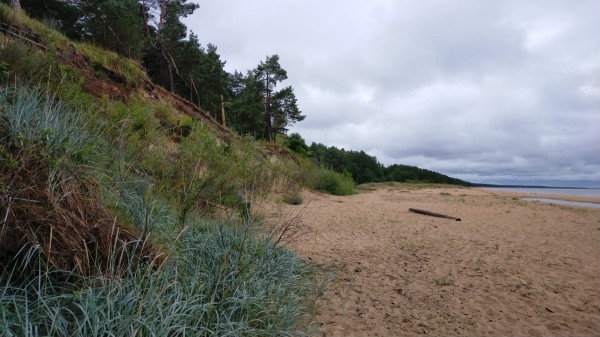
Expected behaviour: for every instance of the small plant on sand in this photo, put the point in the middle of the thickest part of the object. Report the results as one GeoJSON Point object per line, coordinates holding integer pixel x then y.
{"type": "Point", "coordinates": [478, 264]}
{"type": "Point", "coordinates": [445, 193]}
{"type": "Point", "coordinates": [293, 198]}
{"type": "Point", "coordinates": [411, 247]}
{"type": "Point", "coordinates": [445, 280]}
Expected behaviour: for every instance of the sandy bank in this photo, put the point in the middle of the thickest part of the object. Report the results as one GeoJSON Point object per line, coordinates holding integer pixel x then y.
{"type": "Point", "coordinates": [508, 268]}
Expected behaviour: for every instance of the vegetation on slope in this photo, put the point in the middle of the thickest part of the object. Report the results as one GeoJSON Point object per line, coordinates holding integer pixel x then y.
{"type": "Point", "coordinates": [110, 195]}
{"type": "Point", "coordinates": [152, 33]}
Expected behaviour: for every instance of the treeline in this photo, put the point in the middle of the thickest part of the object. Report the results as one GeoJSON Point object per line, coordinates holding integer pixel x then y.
{"type": "Point", "coordinates": [365, 168]}
{"type": "Point", "coordinates": [152, 32]}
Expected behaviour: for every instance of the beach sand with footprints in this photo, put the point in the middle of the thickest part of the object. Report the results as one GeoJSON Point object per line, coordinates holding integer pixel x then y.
{"type": "Point", "coordinates": [510, 267]}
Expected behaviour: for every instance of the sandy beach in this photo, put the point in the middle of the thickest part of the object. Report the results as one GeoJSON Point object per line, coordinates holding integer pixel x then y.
{"type": "Point", "coordinates": [509, 268]}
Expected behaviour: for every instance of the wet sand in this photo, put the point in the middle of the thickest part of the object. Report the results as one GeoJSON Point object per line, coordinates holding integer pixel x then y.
{"type": "Point", "coordinates": [509, 268]}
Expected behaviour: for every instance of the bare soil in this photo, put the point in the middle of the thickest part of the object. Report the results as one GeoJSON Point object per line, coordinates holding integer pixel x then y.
{"type": "Point", "coordinates": [509, 268]}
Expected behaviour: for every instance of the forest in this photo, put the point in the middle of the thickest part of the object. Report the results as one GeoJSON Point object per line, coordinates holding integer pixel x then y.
{"type": "Point", "coordinates": [364, 168]}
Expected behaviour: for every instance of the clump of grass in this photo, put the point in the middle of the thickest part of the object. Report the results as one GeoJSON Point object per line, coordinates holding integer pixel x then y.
{"type": "Point", "coordinates": [122, 69]}
{"type": "Point", "coordinates": [21, 20]}
{"type": "Point", "coordinates": [445, 193]}
{"type": "Point", "coordinates": [478, 264]}
{"type": "Point", "coordinates": [24, 62]}
{"type": "Point", "coordinates": [293, 198]}
{"type": "Point", "coordinates": [445, 280]}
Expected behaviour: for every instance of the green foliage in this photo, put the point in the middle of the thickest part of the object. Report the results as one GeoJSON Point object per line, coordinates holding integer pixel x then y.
{"type": "Point", "coordinates": [7, 160]}
{"type": "Point", "coordinates": [296, 143]}
{"type": "Point", "coordinates": [21, 20]}
{"type": "Point", "coordinates": [159, 171]}
{"type": "Point", "coordinates": [246, 109]}
{"type": "Point", "coordinates": [217, 282]}
{"type": "Point", "coordinates": [25, 63]}
{"type": "Point", "coordinates": [205, 71]}
{"type": "Point", "coordinates": [406, 173]}
{"type": "Point", "coordinates": [362, 167]}
{"type": "Point", "coordinates": [111, 65]}
{"type": "Point", "coordinates": [29, 119]}
{"type": "Point", "coordinates": [113, 24]}
{"type": "Point", "coordinates": [256, 108]}
{"type": "Point", "coordinates": [366, 169]}
{"type": "Point", "coordinates": [329, 181]}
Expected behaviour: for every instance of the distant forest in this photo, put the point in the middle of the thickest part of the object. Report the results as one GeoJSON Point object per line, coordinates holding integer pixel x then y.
{"type": "Point", "coordinates": [364, 168]}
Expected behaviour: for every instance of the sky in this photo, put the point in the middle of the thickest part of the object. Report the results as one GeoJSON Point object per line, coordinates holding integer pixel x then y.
{"type": "Point", "coordinates": [489, 91]}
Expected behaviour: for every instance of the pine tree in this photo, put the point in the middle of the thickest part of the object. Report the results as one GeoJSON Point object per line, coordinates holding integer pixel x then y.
{"type": "Point", "coordinates": [285, 110]}
{"type": "Point", "coordinates": [166, 34]}
{"type": "Point", "coordinates": [270, 73]}
{"type": "Point", "coordinates": [246, 107]}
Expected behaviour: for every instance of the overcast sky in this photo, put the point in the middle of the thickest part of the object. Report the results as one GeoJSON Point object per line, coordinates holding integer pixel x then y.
{"type": "Point", "coordinates": [487, 91]}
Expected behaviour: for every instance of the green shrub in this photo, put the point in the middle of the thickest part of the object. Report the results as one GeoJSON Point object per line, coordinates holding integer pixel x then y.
{"type": "Point", "coordinates": [296, 143]}
{"type": "Point", "coordinates": [331, 182]}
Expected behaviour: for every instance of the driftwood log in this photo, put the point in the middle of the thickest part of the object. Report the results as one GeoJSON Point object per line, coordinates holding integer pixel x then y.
{"type": "Point", "coordinates": [420, 211]}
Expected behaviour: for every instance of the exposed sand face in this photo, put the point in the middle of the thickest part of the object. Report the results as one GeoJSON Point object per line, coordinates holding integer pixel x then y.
{"type": "Point", "coordinates": [510, 267]}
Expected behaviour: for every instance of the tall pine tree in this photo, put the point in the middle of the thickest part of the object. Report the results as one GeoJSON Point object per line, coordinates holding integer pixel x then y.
{"type": "Point", "coordinates": [269, 73]}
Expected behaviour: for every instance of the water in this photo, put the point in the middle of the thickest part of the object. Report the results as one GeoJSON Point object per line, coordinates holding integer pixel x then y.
{"type": "Point", "coordinates": [577, 192]}
{"type": "Point", "coordinates": [564, 202]}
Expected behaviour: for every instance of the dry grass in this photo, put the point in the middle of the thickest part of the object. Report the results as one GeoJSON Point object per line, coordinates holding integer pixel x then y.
{"type": "Point", "coordinates": [62, 218]}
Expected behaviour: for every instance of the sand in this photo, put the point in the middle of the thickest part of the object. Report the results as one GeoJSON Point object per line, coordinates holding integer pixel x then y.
{"type": "Point", "coordinates": [509, 268]}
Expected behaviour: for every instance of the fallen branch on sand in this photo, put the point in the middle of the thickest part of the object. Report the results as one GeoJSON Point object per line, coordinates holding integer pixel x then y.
{"type": "Point", "coordinates": [420, 211]}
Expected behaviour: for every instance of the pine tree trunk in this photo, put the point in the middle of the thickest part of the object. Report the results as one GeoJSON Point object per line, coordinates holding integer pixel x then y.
{"type": "Point", "coordinates": [268, 110]}
{"type": "Point", "coordinates": [16, 4]}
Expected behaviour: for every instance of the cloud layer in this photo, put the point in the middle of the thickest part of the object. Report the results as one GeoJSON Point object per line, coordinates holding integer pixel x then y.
{"type": "Point", "coordinates": [497, 92]}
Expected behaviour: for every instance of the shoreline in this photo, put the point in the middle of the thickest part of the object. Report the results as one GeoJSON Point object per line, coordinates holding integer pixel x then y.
{"type": "Point", "coordinates": [515, 194]}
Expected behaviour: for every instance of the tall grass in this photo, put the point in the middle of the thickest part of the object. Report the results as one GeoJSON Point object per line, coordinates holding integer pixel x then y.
{"type": "Point", "coordinates": [31, 118]}
{"type": "Point", "coordinates": [221, 283]}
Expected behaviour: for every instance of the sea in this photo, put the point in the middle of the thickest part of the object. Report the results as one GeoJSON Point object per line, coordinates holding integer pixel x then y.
{"type": "Point", "coordinates": [578, 192]}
